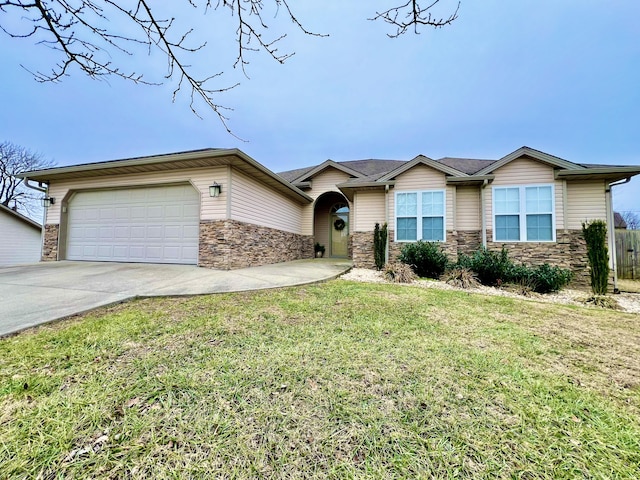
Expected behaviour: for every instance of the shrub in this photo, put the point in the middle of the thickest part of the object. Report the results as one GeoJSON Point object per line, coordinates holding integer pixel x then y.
{"type": "Point", "coordinates": [496, 269]}
{"type": "Point", "coordinates": [491, 268]}
{"type": "Point", "coordinates": [460, 277]}
{"type": "Point", "coordinates": [399, 273]}
{"type": "Point", "coordinates": [425, 258]}
{"type": "Point", "coordinates": [595, 234]}
{"type": "Point", "coordinates": [548, 279]}
{"type": "Point", "coordinates": [379, 245]}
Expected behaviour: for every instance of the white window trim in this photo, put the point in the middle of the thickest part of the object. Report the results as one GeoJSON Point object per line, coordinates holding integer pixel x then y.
{"type": "Point", "coordinates": [523, 212]}
{"type": "Point", "coordinates": [419, 215]}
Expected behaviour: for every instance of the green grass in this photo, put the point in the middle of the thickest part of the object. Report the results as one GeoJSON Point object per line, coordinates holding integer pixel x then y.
{"type": "Point", "coordinates": [339, 380]}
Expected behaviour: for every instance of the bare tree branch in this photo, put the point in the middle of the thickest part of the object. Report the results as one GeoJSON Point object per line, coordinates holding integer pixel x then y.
{"type": "Point", "coordinates": [632, 220]}
{"type": "Point", "coordinates": [13, 193]}
{"type": "Point", "coordinates": [84, 35]}
{"type": "Point", "coordinates": [412, 15]}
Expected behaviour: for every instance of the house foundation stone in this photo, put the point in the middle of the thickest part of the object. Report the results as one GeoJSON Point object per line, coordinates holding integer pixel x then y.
{"type": "Point", "coordinates": [229, 244]}
{"type": "Point", "coordinates": [568, 251]}
{"type": "Point", "coordinates": [362, 250]}
{"type": "Point", "coordinates": [50, 244]}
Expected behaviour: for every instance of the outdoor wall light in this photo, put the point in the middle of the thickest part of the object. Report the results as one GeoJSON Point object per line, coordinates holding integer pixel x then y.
{"type": "Point", "coordinates": [215, 189]}
{"type": "Point", "coordinates": [48, 201]}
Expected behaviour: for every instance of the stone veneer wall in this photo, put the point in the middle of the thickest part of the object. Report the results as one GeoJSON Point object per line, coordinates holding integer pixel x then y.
{"type": "Point", "coordinates": [569, 250]}
{"type": "Point", "coordinates": [362, 246]}
{"type": "Point", "coordinates": [469, 241]}
{"type": "Point", "coordinates": [362, 249]}
{"type": "Point", "coordinates": [229, 244]}
{"type": "Point", "coordinates": [50, 246]}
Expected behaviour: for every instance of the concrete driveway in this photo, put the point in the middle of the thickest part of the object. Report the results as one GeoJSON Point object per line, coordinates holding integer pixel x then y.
{"type": "Point", "coordinates": [39, 293]}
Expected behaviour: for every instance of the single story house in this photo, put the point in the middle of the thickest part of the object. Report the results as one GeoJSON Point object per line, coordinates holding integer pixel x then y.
{"type": "Point", "coordinates": [220, 208]}
{"type": "Point", "coordinates": [20, 238]}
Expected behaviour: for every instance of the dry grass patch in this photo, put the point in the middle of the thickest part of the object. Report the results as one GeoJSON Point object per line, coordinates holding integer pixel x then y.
{"type": "Point", "coordinates": [330, 381]}
{"type": "Point", "coordinates": [629, 286]}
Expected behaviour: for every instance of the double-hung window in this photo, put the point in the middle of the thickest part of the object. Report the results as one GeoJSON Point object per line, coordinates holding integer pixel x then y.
{"type": "Point", "coordinates": [523, 214]}
{"type": "Point", "coordinates": [420, 216]}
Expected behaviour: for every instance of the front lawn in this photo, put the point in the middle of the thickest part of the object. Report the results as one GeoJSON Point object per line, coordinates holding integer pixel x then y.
{"type": "Point", "coordinates": [337, 380]}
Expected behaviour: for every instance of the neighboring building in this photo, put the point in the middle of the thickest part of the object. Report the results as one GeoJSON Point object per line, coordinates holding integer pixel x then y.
{"type": "Point", "coordinates": [159, 208]}
{"type": "Point", "coordinates": [20, 238]}
{"type": "Point", "coordinates": [618, 221]}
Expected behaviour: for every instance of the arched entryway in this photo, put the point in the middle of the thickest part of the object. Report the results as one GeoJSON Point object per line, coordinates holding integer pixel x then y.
{"type": "Point", "coordinates": [331, 224]}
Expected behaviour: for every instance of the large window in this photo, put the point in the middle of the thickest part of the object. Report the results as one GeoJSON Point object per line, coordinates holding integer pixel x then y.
{"type": "Point", "coordinates": [420, 216]}
{"type": "Point", "coordinates": [523, 214]}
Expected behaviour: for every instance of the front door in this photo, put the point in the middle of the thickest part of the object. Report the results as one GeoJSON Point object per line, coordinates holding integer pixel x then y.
{"type": "Point", "coordinates": [339, 230]}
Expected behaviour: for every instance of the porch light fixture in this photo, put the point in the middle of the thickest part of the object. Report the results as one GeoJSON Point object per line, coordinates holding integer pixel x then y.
{"type": "Point", "coordinates": [48, 201]}
{"type": "Point", "coordinates": [215, 189]}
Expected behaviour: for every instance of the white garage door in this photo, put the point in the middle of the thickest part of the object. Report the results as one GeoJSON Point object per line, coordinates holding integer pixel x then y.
{"type": "Point", "coordinates": [151, 225]}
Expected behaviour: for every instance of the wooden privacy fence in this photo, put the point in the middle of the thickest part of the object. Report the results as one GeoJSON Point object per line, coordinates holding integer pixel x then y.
{"type": "Point", "coordinates": [628, 253]}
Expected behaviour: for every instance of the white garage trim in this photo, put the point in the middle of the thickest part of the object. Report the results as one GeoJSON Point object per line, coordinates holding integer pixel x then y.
{"type": "Point", "coordinates": [156, 224]}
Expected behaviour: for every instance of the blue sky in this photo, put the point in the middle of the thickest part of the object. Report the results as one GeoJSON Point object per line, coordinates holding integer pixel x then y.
{"type": "Point", "coordinates": [559, 76]}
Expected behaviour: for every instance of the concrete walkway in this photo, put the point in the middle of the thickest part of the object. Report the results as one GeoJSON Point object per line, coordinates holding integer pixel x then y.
{"type": "Point", "coordinates": [39, 293]}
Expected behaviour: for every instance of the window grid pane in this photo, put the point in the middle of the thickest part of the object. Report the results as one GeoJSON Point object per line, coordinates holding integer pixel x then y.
{"type": "Point", "coordinates": [407, 204]}
{"type": "Point", "coordinates": [407, 229]}
{"type": "Point", "coordinates": [432, 203]}
{"type": "Point", "coordinates": [539, 228]}
{"type": "Point", "coordinates": [507, 201]}
{"type": "Point", "coordinates": [433, 229]}
{"type": "Point", "coordinates": [507, 228]}
{"type": "Point", "coordinates": [538, 199]}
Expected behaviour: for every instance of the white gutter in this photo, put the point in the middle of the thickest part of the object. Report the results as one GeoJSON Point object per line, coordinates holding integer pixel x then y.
{"type": "Point", "coordinates": [611, 231]}
{"type": "Point", "coordinates": [386, 219]}
{"type": "Point", "coordinates": [483, 215]}
{"type": "Point", "coordinates": [44, 190]}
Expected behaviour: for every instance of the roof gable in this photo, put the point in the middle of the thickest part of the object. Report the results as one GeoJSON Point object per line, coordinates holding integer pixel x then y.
{"type": "Point", "coordinates": [533, 154]}
{"type": "Point", "coordinates": [193, 159]}
{"type": "Point", "coordinates": [422, 160]}
{"type": "Point", "coordinates": [306, 175]}
{"type": "Point", "coordinates": [20, 217]}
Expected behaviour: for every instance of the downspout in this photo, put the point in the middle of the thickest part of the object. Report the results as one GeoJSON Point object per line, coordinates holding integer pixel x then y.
{"type": "Point", "coordinates": [483, 215]}
{"type": "Point", "coordinates": [386, 219]}
{"type": "Point", "coordinates": [611, 230]}
{"type": "Point", "coordinates": [44, 190]}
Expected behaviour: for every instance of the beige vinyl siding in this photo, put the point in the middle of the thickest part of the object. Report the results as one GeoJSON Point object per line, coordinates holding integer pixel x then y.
{"type": "Point", "coordinates": [252, 202]}
{"type": "Point", "coordinates": [585, 201]}
{"type": "Point", "coordinates": [200, 178]}
{"type": "Point", "coordinates": [450, 193]}
{"type": "Point", "coordinates": [19, 243]}
{"type": "Point", "coordinates": [369, 210]}
{"type": "Point", "coordinates": [421, 178]}
{"type": "Point", "coordinates": [325, 181]}
{"type": "Point", "coordinates": [523, 171]}
{"type": "Point", "coordinates": [468, 208]}
{"type": "Point", "coordinates": [526, 172]}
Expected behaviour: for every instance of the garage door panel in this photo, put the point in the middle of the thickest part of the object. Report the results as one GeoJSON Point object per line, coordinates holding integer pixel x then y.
{"type": "Point", "coordinates": [155, 212]}
{"type": "Point", "coordinates": [106, 233]}
{"type": "Point", "coordinates": [105, 251]}
{"type": "Point", "coordinates": [122, 232]}
{"type": "Point", "coordinates": [155, 233]}
{"type": "Point", "coordinates": [191, 210]}
{"type": "Point", "coordinates": [173, 232]}
{"type": "Point", "coordinates": [123, 213]}
{"type": "Point", "coordinates": [155, 225]}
